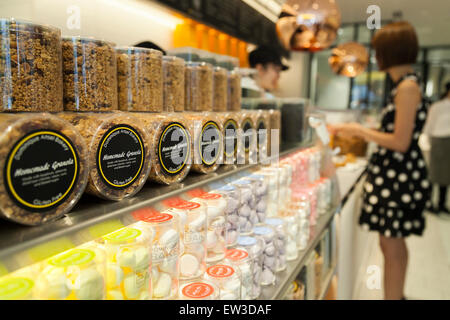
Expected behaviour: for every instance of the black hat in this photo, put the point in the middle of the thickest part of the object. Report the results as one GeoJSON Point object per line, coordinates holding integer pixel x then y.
{"type": "Point", "coordinates": [264, 55]}
{"type": "Point", "coordinates": [150, 45]}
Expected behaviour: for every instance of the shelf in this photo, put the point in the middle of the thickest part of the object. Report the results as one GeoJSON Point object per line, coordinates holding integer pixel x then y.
{"type": "Point", "coordinates": [22, 245]}
{"type": "Point", "coordinates": [286, 277]}
{"type": "Point", "coordinates": [327, 281]}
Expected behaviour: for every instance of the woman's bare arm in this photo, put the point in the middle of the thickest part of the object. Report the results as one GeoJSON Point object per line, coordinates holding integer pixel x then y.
{"type": "Point", "coordinates": [406, 101]}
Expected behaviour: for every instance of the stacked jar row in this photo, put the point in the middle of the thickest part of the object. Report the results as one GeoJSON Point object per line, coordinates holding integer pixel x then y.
{"type": "Point", "coordinates": [189, 241]}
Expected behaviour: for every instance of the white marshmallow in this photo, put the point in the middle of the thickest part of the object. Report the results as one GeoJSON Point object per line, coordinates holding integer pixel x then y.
{"type": "Point", "coordinates": [169, 266]}
{"type": "Point", "coordinates": [142, 259]}
{"type": "Point", "coordinates": [211, 239]}
{"type": "Point", "coordinates": [53, 284]}
{"type": "Point", "coordinates": [227, 296]}
{"type": "Point", "coordinates": [114, 275]}
{"type": "Point", "coordinates": [114, 295]}
{"type": "Point", "coordinates": [162, 286]}
{"type": "Point", "coordinates": [169, 239]}
{"type": "Point", "coordinates": [198, 223]}
{"type": "Point", "coordinates": [131, 286]}
{"type": "Point", "coordinates": [189, 265]}
{"type": "Point", "coordinates": [89, 285]}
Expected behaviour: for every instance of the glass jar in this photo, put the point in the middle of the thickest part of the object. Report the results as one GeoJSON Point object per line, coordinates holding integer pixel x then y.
{"type": "Point", "coordinates": [171, 146]}
{"type": "Point", "coordinates": [199, 86]}
{"type": "Point", "coordinates": [292, 219]}
{"type": "Point", "coordinates": [260, 192]}
{"type": "Point", "coordinates": [38, 141]}
{"type": "Point", "coordinates": [89, 74]}
{"type": "Point", "coordinates": [165, 231]}
{"type": "Point", "coordinates": [242, 260]}
{"type": "Point", "coordinates": [220, 89]}
{"type": "Point", "coordinates": [281, 240]}
{"type": "Point", "coordinates": [254, 246]}
{"type": "Point", "coordinates": [232, 195]}
{"type": "Point", "coordinates": [232, 146]}
{"type": "Point", "coordinates": [140, 79]}
{"type": "Point", "coordinates": [227, 278]}
{"type": "Point", "coordinates": [234, 91]}
{"type": "Point", "coordinates": [247, 206]}
{"type": "Point", "coordinates": [199, 290]}
{"type": "Point", "coordinates": [119, 152]}
{"type": "Point", "coordinates": [193, 223]}
{"type": "Point", "coordinates": [174, 87]}
{"type": "Point", "coordinates": [216, 206]}
{"type": "Point", "coordinates": [129, 264]}
{"type": "Point", "coordinates": [269, 254]}
{"type": "Point", "coordinates": [273, 190]}
{"type": "Point", "coordinates": [76, 274]}
{"type": "Point", "coordinates": [207, 141]}
{"type": "Point", "coordinates": [247, 136]}
{"type": "Point", "coordinates": [262, 126]}
{"type": "Point", "coordinates": [20, 284]}
{"type": "Point", "coordinates": [275, 131]}
{"type": "Point", "coordinates": [30, 67]}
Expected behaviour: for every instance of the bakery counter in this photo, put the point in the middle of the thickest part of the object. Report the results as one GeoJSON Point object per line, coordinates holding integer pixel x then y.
{"type": "Point", "coordinates": [92, 218]}
{"type": "Point", "coordinates": [286, 277]}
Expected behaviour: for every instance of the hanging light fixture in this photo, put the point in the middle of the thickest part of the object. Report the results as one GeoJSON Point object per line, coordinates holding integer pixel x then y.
{"type": "Point", "coordinates": [308, 25]}
{"type": "Point", "coordinates": [349, 59]}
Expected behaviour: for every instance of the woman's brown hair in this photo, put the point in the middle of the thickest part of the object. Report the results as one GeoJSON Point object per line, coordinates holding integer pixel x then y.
{"type": "Point", "coordinates": [396, 44]}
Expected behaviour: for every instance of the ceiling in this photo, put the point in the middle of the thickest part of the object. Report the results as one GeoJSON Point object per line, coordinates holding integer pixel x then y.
{"type": "Point", "coordinates": [431, 18]}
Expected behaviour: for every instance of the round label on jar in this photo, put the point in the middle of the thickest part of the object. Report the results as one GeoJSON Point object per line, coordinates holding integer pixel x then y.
{"type": "Point", "coordinates": [41, 170]}
{"type": "Point", "coordinates": [210, 196]}
{"type": "Point", "coordinates": [74, 257]}
{"type": "Point", "coordinates": [151, 215]}
{"type": "Point", "coordinates": [15, 288]}
{"type": "Point", "coordinates": [181, 204]}
{"type": "Point", "coordinates": [220, 271]}
{"type": "Point", "coordinates": [122, 235]}
{"type": "Point", "coordinates": [195, 193]}
{"type": "Point", "coordinates": [231, 140]}
{"type": "Point", "coordinates": [236, 254]}
{"type": "Point", "coordinates": [120, 156]}
{"type": "Point", "coordinates": [210, 143]}
{"type": "Point", "coordinates": [247, 129]}
{"type": "Point", "coordinates": [173, 148]}
{"type": "Point", "coordinates": [262, 133]}
{"type": "Point", "coordinates": [197, 290]}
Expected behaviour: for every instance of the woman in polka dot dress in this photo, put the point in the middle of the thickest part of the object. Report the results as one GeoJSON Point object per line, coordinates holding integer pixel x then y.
{"type": "Point", "coordinates": [396, 189]}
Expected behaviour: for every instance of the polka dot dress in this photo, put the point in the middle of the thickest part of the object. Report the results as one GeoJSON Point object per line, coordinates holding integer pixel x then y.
{"type": "Point", "coordinates": [396, 189]}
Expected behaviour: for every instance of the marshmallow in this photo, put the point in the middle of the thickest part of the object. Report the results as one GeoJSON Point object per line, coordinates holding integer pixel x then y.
{"type": "Point", "coordinates": [227, 296]}
{"type": "Point", "coordinates": [211, 239]}
{"type": "Point", "coordinates": [89, 285]}
{"type": "Point", "coordinates": [169, 239]}
{"type": "Point", "coordinates": [126, 257]}
{"type": "Point", "coordinates": [52, 284]}
{"type": "Point", "coordinates": [189, 265]}
{"type": "Point", "coordinates": [114, 295]}
{"type": "Point", "coordinates": [198, 223]}
{"type": "Point", "coordinates": [114, 275]}
{"type": "Point", "coordinates": [131, 286]}
{"type": "Point", "coordinates": [142, 259]}
{"type": "Point", "coordinates": [168, 265]}
{"type": "Point", "coordinates": [155, 274]}
{"type": "Point", "coordinates": [162, 287]}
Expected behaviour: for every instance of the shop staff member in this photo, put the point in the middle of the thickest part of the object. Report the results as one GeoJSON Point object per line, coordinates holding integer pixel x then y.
{"type": "Point", "coordinates": [396, 189]}
{"type": "Point", "coordinates": [268, 64]}
{"type": "Point", "coordinates": [437, 132]}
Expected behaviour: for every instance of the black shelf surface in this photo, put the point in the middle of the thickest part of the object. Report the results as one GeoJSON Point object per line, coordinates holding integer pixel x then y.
{"type": "Point", "coordinates": [286, 277]}
{"type": "Point", "coordinates": [24, 245]}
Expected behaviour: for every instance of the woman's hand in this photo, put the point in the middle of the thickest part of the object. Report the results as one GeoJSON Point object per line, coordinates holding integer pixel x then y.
{"type": "Point", "coordinates": [352, 129]}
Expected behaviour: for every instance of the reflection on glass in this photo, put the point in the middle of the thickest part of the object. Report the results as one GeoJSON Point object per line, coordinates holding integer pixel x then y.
{"type": "Point", "coordinates": [308, 25]}
{"type": "Point", "coordinates": [348, 59]}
